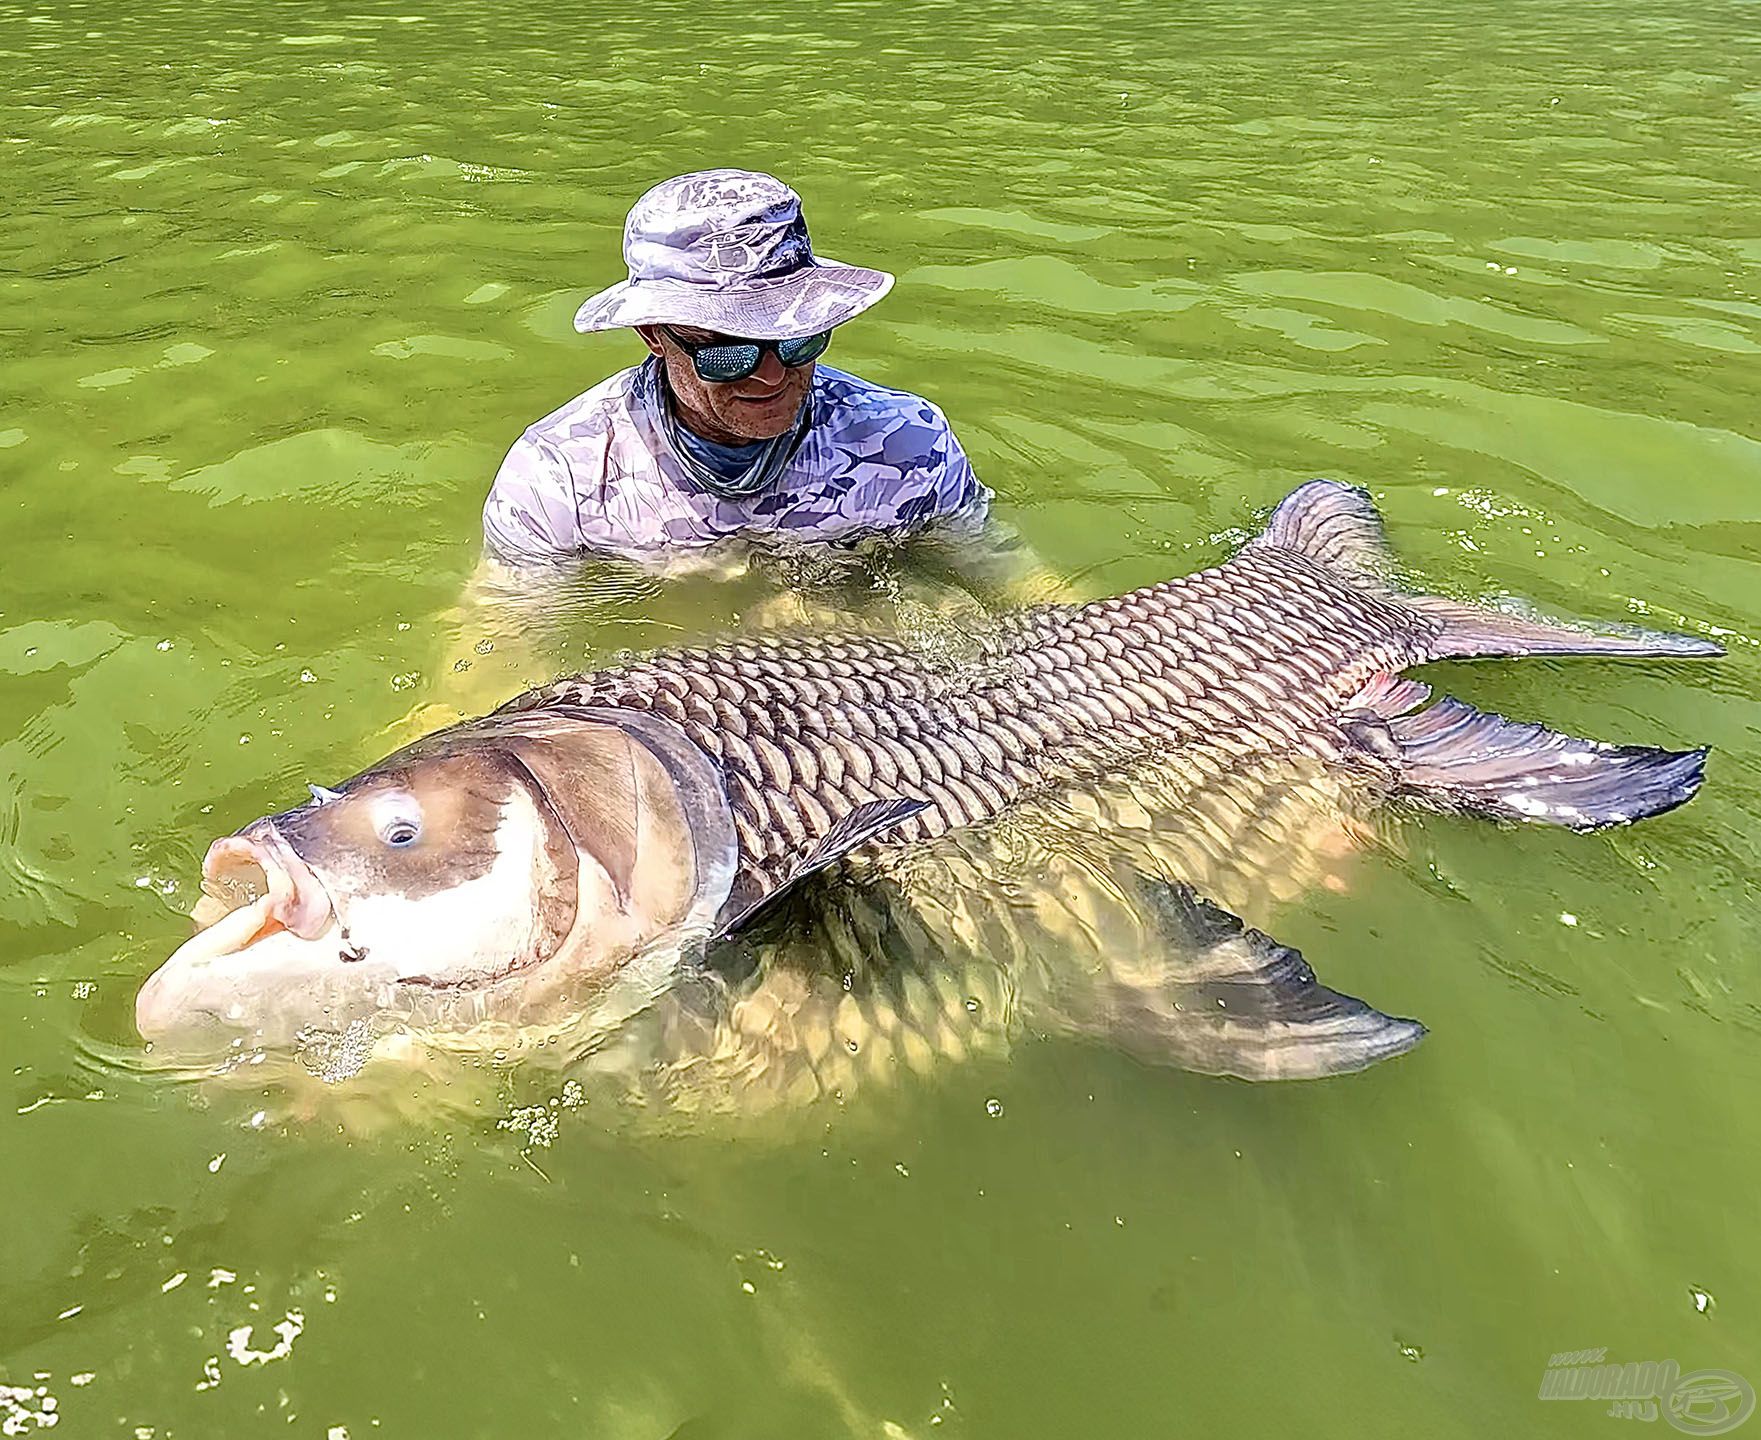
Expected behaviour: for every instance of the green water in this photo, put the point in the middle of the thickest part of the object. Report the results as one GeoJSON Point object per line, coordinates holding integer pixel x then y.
{"type": "Point", "coordinates": [280, 284]}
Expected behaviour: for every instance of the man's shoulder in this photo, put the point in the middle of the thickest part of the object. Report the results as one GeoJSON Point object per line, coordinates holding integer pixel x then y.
{"type": "Point", "coordinates": [590, 414]}
{"type": "Point", "coordinates": [857, 399]}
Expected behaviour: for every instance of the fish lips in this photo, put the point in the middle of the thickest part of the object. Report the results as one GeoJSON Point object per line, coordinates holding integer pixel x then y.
{"type": "Point", "coordinates": [255, 885]}
{"type": "Point", "coordinates": [298, 900]}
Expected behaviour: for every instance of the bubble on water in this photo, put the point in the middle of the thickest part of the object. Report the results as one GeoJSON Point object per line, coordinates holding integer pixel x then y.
{"type": "Point", "coordinates": [215, 1164]}
{"type": "Point", "coordinates": [483, 647]}
{"type": "Point", "coordinates": [333, 1057]}
{"type": "Point", "coordinates": [900, 1167]}
{"type": "Point", "coordinates": [993, 1107]}
{"type": "Point", "coordinates": [1702, 1298]}
{"type": "Point", "coordinates": [163, 645]}
{"type": "Point", "coordinates": [23, 1409]}
{"type": "Point", "coordinates": [535, 1122]}
{"type": "Point", "coordinates": [1567, 918]}
{"type": "Point", "coordinates": [1408, 1351]}
{"type": "Point", "coordinates": [307, 677]}
{"type": "Point", "coordinates": [406, 681]}
{"type": "Point", "coordinates": [288, 1329]}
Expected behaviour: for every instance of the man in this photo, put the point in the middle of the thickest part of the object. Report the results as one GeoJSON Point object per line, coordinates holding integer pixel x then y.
{"type": "Point", "coordinates": [730, 428]}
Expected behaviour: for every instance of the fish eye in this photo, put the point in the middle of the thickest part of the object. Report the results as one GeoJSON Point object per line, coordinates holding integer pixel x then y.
{"type": "Point", "coordinates": [398, 818]}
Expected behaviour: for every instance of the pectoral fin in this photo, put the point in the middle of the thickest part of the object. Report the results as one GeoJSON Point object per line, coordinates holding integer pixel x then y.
{"type": "Point", "coordinates": [1229, 1000]}
{"type": "Point", "coordinates": [854, 830]}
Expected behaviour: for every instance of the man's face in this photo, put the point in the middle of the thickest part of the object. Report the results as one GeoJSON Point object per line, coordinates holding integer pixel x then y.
{"type": "Point", "coordinates": [759, 407]}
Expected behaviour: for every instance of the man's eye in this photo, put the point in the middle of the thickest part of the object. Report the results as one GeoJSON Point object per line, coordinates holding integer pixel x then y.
{"type": "Point", "coordinates": [401, 833]}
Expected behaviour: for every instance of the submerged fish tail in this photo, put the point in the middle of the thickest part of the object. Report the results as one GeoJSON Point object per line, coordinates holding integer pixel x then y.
{"type": "Point", "coordinates": [1452, 756]}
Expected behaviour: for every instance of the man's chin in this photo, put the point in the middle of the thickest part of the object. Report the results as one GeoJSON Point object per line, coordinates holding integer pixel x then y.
{"type": "Point", "coordinates": [765, 419]}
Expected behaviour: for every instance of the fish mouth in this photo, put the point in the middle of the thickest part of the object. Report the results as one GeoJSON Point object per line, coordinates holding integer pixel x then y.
{"type": "Point", "coordinates": [258, 870]}
{"type": "Point", "coordinates": [254, 888]}
{"type": "Point", "coordinates": [254, 885]}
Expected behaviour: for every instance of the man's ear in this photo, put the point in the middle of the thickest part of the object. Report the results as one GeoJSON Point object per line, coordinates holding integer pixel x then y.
{"type": "Point", "coordinates": [651, 338]}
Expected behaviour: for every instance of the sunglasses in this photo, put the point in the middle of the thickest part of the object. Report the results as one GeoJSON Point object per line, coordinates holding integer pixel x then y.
{"type": "Point", "coordinates": [721, 362]}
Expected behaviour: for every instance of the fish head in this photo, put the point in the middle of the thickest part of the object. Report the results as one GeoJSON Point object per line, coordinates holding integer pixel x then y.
{"type": "Point", "coordinates": [547, 846]}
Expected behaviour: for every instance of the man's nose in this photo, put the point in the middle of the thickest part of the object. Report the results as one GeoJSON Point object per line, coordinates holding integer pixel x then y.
{"type": "Point", "coordinates": [770, 370]}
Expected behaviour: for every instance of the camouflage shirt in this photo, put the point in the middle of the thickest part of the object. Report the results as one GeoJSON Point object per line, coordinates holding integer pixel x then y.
{"type": "Point", "coordinates": [598, 476]}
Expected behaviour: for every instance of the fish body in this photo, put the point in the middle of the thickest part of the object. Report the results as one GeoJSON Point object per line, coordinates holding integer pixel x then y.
{"type": "Point", "coordinates": [578, 831]}
{"type": "Point", "coordinates": [1289, 648]}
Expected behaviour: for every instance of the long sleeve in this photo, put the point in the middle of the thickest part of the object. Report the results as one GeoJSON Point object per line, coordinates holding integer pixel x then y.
{"type": "Point", "coordinates": [531, 513]}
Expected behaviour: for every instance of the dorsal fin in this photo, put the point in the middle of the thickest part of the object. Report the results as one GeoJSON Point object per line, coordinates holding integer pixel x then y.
{"type": "Point", "coordinates": [1333, 523]}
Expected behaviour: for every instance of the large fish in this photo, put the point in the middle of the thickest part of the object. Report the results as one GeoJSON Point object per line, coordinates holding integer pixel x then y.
{"type": "Point", "coordinates": [625, 838]}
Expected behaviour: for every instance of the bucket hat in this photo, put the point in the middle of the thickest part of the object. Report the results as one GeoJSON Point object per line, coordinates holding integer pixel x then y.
{"type": "Point", "coordinates": [727, 250]}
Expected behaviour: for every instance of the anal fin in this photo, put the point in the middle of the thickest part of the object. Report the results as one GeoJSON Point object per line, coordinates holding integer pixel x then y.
{"type": "Point", "coordinates": [1454, 757]}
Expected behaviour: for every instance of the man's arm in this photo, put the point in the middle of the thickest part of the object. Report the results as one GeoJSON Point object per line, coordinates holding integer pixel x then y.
{"type": "Point", "coordinates": [487, 649]}
{"type": "Point", "coordinates": [966, 539]}
{"type": "Point", "coordinates": [531, 515]}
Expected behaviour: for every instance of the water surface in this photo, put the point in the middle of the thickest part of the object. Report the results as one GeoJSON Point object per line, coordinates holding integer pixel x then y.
{"type": "Point", "coordinates": [280, 285]}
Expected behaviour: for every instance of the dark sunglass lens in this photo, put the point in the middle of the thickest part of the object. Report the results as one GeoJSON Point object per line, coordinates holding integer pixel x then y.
{"type": "Point", "coordinates": [808, 347]}
{"type": "Point", "coordinates": [721, 363]}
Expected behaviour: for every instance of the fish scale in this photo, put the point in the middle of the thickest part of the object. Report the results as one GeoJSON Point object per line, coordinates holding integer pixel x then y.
{"type": "Point", "coordinates": [1261, 653]}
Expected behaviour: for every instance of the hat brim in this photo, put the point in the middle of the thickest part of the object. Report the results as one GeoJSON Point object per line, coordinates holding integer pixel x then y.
{"type": "Point", "coordinates": [815, 298]}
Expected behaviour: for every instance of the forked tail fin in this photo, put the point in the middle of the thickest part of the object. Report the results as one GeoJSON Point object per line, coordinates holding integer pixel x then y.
{"type": "Point", "coordinates": [1451, 756]}
{"type": "Point", "coordinates": [1469, 632]}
